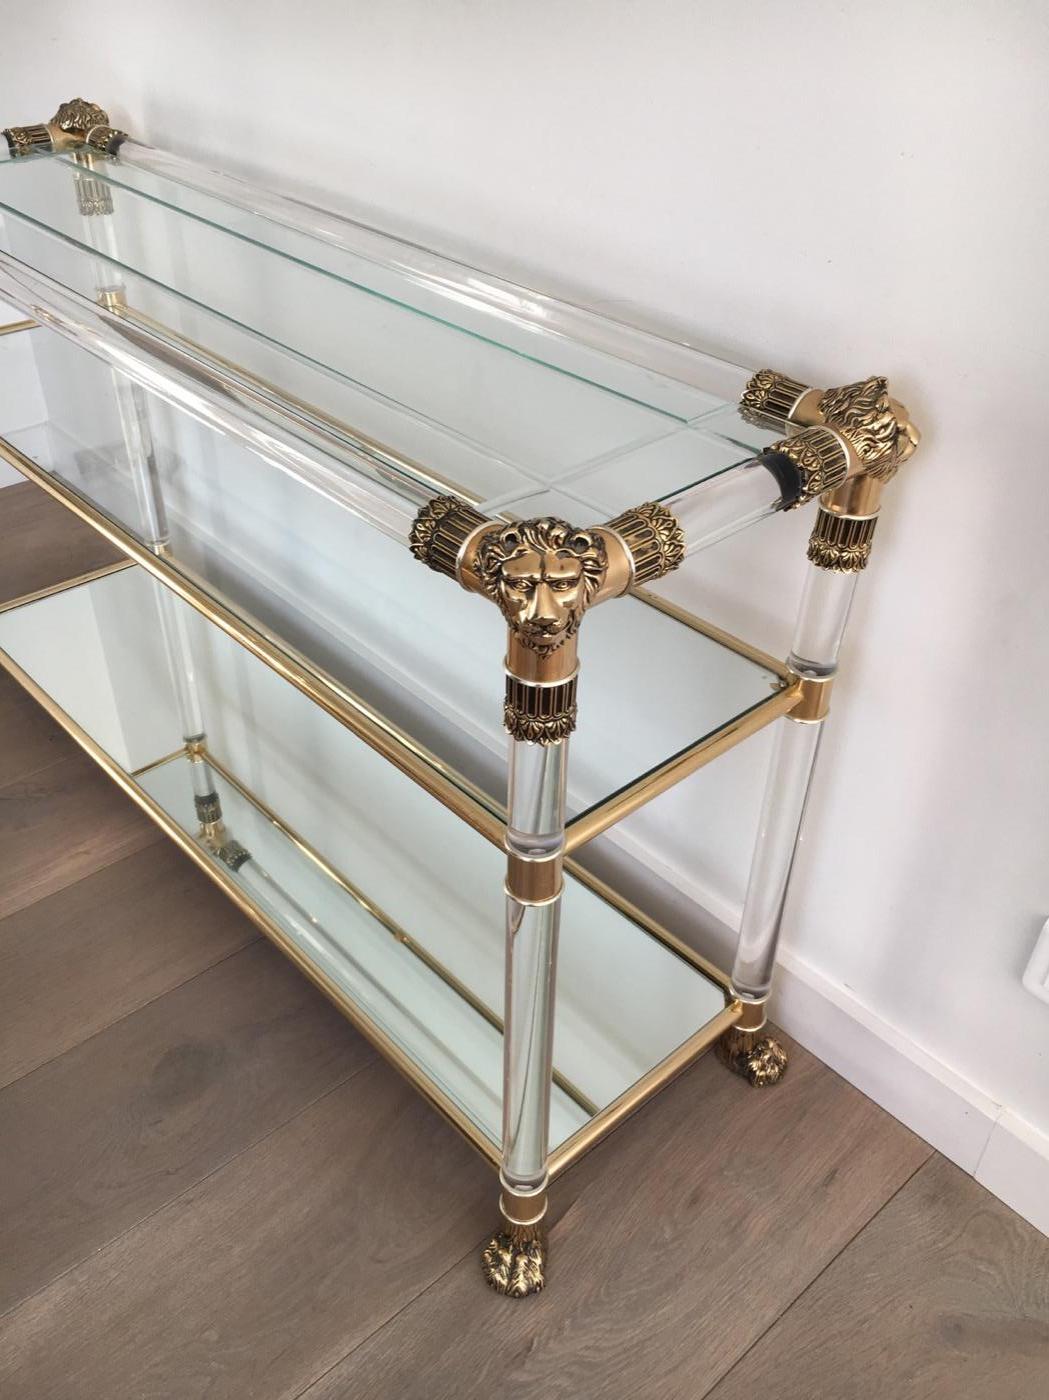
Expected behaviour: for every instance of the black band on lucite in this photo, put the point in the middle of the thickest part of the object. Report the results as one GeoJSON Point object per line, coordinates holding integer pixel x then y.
{"type": "Point", "coordinates": [787, 476]}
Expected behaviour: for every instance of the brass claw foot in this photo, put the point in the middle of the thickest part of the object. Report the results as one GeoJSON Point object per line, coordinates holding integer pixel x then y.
{"type": "Point", "coordinates": [514, 1260]}
{"type": "Point", "coordinates": [754, 1055]}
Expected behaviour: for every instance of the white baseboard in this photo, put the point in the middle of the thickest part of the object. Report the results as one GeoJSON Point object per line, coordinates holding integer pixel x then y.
{"type": "Point", "coordinates": [1003, 1152]}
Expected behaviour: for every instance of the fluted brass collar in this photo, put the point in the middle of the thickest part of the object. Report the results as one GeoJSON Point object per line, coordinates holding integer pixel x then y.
{"type": "Point", "coordinates": [76, 123]}
{"type": "Point", "coordinates": [876, 427]}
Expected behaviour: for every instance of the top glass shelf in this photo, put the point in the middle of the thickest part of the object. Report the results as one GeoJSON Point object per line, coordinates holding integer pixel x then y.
{"type": "Point", "coordinates": [452, 378]}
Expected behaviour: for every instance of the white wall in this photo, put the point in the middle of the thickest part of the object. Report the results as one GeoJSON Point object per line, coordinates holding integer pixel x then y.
{"type": "Point", "coordinates": [835, 190]}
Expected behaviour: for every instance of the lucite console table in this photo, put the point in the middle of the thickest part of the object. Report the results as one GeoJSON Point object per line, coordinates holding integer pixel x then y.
{"type": "Point", "coordinates": [293, 424]}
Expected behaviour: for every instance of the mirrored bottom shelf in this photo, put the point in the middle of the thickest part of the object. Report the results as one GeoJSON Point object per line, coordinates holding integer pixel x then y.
{"type": "Point", "coordinates": [390, 902]}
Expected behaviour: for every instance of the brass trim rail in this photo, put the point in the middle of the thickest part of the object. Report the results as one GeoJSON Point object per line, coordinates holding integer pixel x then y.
{"type": "Point", "coordinates": [424, 767]}
{"type": "Point", "coordinates": [603, 1120]}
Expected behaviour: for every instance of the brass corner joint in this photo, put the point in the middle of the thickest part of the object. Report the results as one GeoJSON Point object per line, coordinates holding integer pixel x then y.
{"type": "Point", "coordinates": [847, 444]}
{"type": "Point", "coordinates": [75, 124]}
{"type": "Point", "coordinates": [543, 574]}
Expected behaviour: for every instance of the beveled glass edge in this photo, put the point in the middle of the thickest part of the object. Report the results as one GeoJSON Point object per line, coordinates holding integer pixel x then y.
{"type": "Point", "coordinates": [368, 724]}
{"type": "Point", "coordinates": [453, 790]}
{"type": "Point", "coordinates": [380, 487]}
{"type": "Point", "coordinates": [568, 1151]}
{"type": "Point", "coordinates": [447, 275]}
{"type": "Point", "coordinates": [100, 172]}
{"type": "Point", "coordinates": [371, 1031]}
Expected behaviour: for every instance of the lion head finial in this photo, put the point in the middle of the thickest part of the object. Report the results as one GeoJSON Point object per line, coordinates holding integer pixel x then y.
{"type": "Point", "coordinates": [543, 574]}
{"type": "Point", "coordinates": [874, 424]}
{"type": "Point", "coordinates": [79, 116]}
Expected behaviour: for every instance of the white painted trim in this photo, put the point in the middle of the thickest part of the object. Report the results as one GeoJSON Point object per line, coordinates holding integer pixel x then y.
{"type": "Point", "coordinates": [1015, 1168]}
{"type": "Point", "coordinates": [1003, 1152]}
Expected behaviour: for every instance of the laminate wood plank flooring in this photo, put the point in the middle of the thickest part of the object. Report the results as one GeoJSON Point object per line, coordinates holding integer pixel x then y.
{"type": "Point", "coordinates": [41, 542]}
{"type": "Point", "coordinates": [107, 1133]}
{"type": "Point", "coordinates": [99, 949]}
{"type": "Point", "coordinates": [29, 739]}
{"type": "Point", "coordinates": [211, 1188]}
{"type": "Point", "coordinates": [259, 1279]}
{"type": "Point", "coordinates": [681, 1238]}
{"type": "Point", "coordinates": [944, 1296]}
{"type": "Point", "coordinates": [61, 823]}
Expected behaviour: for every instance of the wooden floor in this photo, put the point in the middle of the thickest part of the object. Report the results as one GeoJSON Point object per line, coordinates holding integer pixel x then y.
{"type": "Point", "coordinates": [212, 1188]}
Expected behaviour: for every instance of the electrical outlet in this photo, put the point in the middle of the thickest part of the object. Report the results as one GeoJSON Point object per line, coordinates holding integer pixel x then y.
{"type": "Point", "coordinates": [1036, 976]}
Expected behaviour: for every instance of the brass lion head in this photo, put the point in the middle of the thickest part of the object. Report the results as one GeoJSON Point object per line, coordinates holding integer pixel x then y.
{"type": "Point", "coordinates": [79, 117]}
{"type": "Point", "coordinates": [543, 574]}
{"type": "Point", "coordinates": [876, 425]}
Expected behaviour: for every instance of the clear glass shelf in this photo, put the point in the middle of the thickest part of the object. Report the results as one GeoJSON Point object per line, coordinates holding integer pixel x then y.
{"type": "Point", "coordinates": [354, 609]}
{"type": "Point", "coordinates": [396, 905]}
{"type": "Point", "coordinates": [503, 395]}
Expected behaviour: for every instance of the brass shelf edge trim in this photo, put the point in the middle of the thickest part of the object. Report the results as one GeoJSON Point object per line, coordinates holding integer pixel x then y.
{"type": "Point", "coordinates": [14, 327]}
{"type": "Point", "coordinates": [461, 797]}
{"type": "Point", "coordinates": [610, 812]}
{"type": "Point", "coordinates": [400, 750]}
{"type": "Point", "coordinates": [573, 1147]}
{"type": "Point", "coordinates": [156, 763]}
{"type": "Point", "coordinates": [379, 735]}
{"type": "Point", "coordinates": [717, 634]}
{"type": "Point", "coordinates": [396, 930]}
{"type": "Point", "coordinates": [645, 1088]}
{"type": "Point", "coordinates": [372, 1032]}
{"type": "Point", "coordinates": [104, 571]}
{"type": "Point", "coordinates": [662, 935]}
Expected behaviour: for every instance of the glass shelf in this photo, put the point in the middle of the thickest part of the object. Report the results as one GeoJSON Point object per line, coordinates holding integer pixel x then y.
{"type": "Point", "coordinates": [389, 644]}
{"type": "Point", "coordinates": [391, 903]}
{"type": "Point", "coordinates": [449, 378]}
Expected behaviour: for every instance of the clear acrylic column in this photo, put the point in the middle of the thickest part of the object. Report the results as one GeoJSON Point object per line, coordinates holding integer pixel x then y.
{"type": "Point", "coordinates": [540, 713]}
{"type": "Point", "coordinates": [824, 612]}
{"type": "Point", "coordinates": [535, 837]}
{"type": "Point", "coordinates": [94, 198]}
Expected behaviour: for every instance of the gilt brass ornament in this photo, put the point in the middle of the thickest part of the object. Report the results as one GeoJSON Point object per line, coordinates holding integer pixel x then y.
{"type": "Point", "coordinates": [514, 1260]}
{"type": "Point", "coordinates": [208, 808]}
{"type": "Point", "coordinates": [71, 126]}
{"type": "Point", "coordinates": [754, 1055]}
{"type": "Point", "coordinates": [654, 538]}
{"type": "Point", "coordinates": [543, 575]}
{"type": "Point", "coordinates": [441, 529]}
{"type": "Point", "coordinates": [819, 459]}
{"type": "Point", "coordinates": [106, 138]}
{"type": "Point", "coordinates": [78, 118]}
{"type": "Point", "coordinates": [841, 542]}
{"type": "Point", "coordinates": [24, 140]}
{"type": "Point", "coordinates": [875, 425]}
{"type": "Point", "coordinates": [769, 397]}
{"type": "Point", "coordinates": [539, 714]}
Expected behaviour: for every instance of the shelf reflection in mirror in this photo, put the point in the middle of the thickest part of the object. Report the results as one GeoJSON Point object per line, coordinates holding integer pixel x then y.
{"type": "Point", "coordinates": [396, 902]}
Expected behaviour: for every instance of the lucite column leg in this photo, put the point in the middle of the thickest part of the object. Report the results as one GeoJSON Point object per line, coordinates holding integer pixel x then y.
{"type": "Point", "coordinates": [747, 1048]}
{"type": "Point", "coordinates": [514, 1259]}
{"type": "Point", "coordinates": [95, 203]}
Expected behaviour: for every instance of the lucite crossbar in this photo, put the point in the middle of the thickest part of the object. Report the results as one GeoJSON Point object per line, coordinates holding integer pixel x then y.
{"type": "Point", "coordinates": [401, 373]}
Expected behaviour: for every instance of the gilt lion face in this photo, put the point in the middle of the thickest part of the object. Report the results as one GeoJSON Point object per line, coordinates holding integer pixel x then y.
{"type": "Point", "coordinates": [543, 574]}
